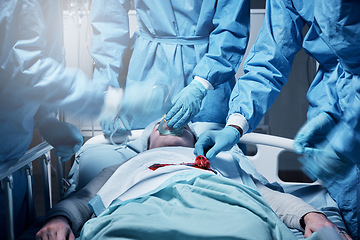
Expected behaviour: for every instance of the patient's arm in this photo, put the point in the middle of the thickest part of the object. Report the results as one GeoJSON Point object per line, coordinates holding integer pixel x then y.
{"type": "Point", "coordinates": [74, 211]}
{"type": "Point", "coordinates": [291, 209]}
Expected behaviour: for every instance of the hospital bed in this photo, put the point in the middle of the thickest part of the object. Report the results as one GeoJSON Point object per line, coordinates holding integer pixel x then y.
{"type": "Point", "coordinates": [269, 148]}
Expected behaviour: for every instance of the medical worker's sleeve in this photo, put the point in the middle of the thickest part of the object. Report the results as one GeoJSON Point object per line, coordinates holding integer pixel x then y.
{"type": "Point", "coordinates": [227, 42]}
{"type": "Point", "coordinates": [32, 63]}
{"type": "Point", "coordinates": [340, 28]}
{"type": "Point", "coordinates": [110, 40]}
{"type": "Point", "coordinates": [269, 62]}
{"type": "Point", "coordinates": [63, 136]}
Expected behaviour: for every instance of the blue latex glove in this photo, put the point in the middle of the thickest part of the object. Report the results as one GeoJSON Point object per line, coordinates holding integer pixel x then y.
{"type": "Point", "coordinates": [324, 163]}
{"type": "Point", "coordinates": [213, 142]}
{"type": "Point", "coordinates": [187, 105]}
{"type": "Point", "coordinates": [109, 115]}
{"type": "Point", "coordinates": [313, 133]}
{"type": "Point", "coordinates": [115, 127]}
{"type": "Point", "coordinates": [64, 137]}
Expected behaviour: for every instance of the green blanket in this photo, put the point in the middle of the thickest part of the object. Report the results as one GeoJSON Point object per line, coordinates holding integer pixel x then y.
{"type": "Point", "coordinates": [190, 206]}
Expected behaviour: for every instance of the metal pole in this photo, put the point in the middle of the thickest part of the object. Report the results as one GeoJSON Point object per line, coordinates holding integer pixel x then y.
{"type": "Point", "coordinates": [7, 185]}
{"type": "Point", "coordinates": [59, 173]}
{"type": "Point", "coordinates": [44, 161]}
{"type": "Point", "coordinates": [29, 172]}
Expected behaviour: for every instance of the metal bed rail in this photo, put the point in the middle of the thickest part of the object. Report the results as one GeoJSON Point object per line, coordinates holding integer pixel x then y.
{"type": "Point", "coordinates": [40, 152]}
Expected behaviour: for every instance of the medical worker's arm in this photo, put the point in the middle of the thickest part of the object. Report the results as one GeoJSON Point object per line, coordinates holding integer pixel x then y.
{"type": "Point", "coordinates": [267, 69]}
{"type": "Point", "coordinates": [227, 45]}
{"type": "Point", "coordinates": [74, 211]}
{"type": "Point", "coordinates": [110, 40]}
{"type": "Point", "coordinates": [267, 66]}
{"type": "Point", "coordinates": [313, 133]}
{"type": "Point", "coordinates": [32, 61]}
{"type": "Point", "coordinates": [64, 137]}
{"type": "Point", "coordinates": [210, 143]}
{"type": "Point", "coordinates": [294, 212]}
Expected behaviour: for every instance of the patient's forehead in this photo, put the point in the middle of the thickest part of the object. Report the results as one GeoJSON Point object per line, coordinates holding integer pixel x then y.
{"type": "Point", "coordinates": [186, 139]}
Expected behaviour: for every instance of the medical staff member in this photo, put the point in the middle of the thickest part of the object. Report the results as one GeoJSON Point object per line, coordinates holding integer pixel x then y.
{"type": "Point", "coordinates": [190, 46]}
{"type": "Point", "coordinates": [34, 83]}
{"type": "Point", "coordinates": [266, 71]}
{"type": "Point", "coordinates": [340, 29]}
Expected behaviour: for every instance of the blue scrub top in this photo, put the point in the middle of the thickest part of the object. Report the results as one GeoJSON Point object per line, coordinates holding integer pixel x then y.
{"type": "Point", "coordinates": [269, 63]}
{"type": "Point", "coordinates": [32, 73]}
{"type": "Point", "coordinates": [176, 41]}
{"type": "Point", "coordinates": [333, 90]}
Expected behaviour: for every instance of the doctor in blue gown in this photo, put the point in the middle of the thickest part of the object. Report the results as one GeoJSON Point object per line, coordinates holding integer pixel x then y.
{"type": "Point", "coordinates": [192, 45]}
{"type": "Point", "coordinates": [34, 83]}
{"type": "Point", "coordinates": [266, 71]}
{"type": "Point", "coordinates": [341, 30]}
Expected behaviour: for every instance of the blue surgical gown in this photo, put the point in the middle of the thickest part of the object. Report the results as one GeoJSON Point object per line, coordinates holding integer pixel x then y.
{"type": "Point", "coordinates": [340, 28]}
{"type": "Point", "coordinates": [269, 62]}
{"type": "Point", "coordinates": [32, 74]}
{"type": "Point", "coordinates": [175, 41]}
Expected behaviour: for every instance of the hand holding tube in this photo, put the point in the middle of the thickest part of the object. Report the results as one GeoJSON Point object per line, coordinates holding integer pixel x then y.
{"type": "Point", "coordinates": [213, 142]}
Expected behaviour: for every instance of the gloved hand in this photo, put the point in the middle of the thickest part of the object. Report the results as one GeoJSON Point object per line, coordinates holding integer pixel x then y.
{"type": "Point", "coordinates": [187, 105]}
{"type": "Point", "coordinates": [213, 142]}
{"type": "Point", "coordinates": [115, 127]}
{"type": "Point", "coordinates": [109, 115]}
{"type": "Point", "coordinates": [64, 137]}
{"type": "Point", "coordinates": [313, 133]}
{"type": "Point", "coordinates": [325, 164]}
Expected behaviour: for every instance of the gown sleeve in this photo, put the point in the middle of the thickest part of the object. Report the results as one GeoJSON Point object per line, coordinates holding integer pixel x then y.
{"type": "Point", "coordinates": [227, 42]}
{"type": "Point", "coordinates": [110, 40]}
{"type": "Point", "coordinates": [268, 64]}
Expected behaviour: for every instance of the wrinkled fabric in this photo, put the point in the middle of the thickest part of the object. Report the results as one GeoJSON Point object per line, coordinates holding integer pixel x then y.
{"type": "Point", "coordinates": [191, 206]}
{"type": "Point", "coordinates": [268, 65]}
{"type": "Point", "coordinates": [137, 178]}
{"type": "Point", "coordinates": [176, 41]}
{"type": "Point", "coordinates": [269, 62]}
{"type": "Point", "coordinates": [340, 28]}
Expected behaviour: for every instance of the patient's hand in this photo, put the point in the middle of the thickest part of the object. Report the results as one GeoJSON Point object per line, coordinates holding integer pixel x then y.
{"type": "Point", "coordinates": [314, 221]}
{"type": "Point", "coordinates": [56, 228]}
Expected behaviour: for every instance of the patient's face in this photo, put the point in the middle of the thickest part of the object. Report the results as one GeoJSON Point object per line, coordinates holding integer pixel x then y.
{"type": "Point", "coordinates": [186, 139]}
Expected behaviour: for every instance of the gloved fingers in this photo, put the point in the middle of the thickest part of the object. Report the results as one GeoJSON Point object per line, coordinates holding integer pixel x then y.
{"type": "Point", "coordinates": [183, 120]}
{"type": "Point", "coordinates": [298, 146]}
{"type": "Point", "coordinates": [173, 114]}
{"type": "Point", "coordinates": [125, 122]}
{"type": "Point", "coordinates": [199, 150]}
{"type": "Point", "coordinates": [203, 144]}
{"type": "Point", "coordinates": [312, 151]}
{"type": "Point", "coordinates": [213, 151]}
{"type": "Point", "coordinates": [107, 127]}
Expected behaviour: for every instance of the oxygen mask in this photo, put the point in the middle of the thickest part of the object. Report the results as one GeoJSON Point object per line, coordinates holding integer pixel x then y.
{"type": "Point", "coordinates": [164, 129]}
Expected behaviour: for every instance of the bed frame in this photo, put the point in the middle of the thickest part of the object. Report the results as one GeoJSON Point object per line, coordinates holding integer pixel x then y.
{"type": "Point", "coordinates": [268, 147]}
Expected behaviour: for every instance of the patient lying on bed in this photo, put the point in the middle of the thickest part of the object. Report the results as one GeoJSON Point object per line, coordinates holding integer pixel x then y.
{"type": "Point", "coordinates": [178, 201]}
